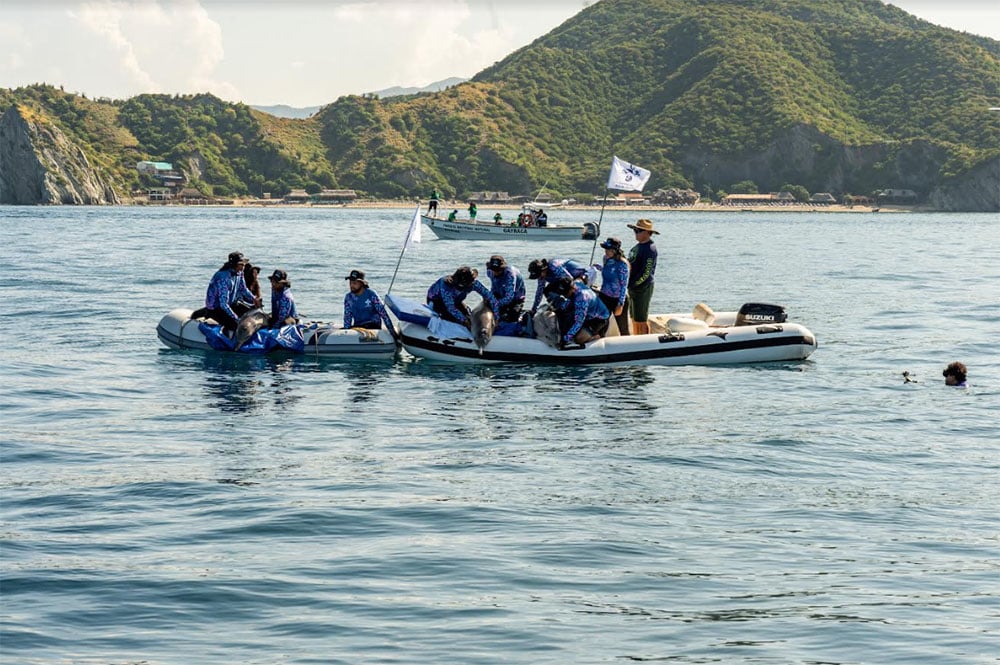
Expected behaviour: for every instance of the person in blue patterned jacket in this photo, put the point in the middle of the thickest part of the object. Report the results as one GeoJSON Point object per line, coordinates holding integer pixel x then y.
{"type": "Point", "coordinates": [546, 271]}
{"type": "Point", "coordinates": [283, 310]}
{"type": "Point", "coordinates": [614, 283]}
{"type": "Point", "coordinates": [362, 306]}
{"type": "Point", "coordinates": [228, 297]}
{"type": "Point", "coordinates": [507, 286]}
{"type": "Point", "coordinates": [447, 295]}
{"type": "Point", "coordinates": [582, 316]}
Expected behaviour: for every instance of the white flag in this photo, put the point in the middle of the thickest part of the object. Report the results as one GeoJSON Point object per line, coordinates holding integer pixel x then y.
{"type": "Point", "coordinates": [627, 177]}
{"type": "Point", "coordinates": [413, 233]}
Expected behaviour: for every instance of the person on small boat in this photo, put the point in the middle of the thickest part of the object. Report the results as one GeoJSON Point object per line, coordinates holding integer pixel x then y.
{"type": "Point", "coordinates": [614, 283]}
{"type": "Point", "coordinates": [447, 296]}
{"type": "Point", "coordinates": [541, 219]}
{"type": "Point", "coordinates": [498, 219]}
{"type": "Point", "coordinates": [432, 205]}
{"type": "Point", "coordinates": [507, 286]}
{"type": "Point", "coordinates": [362, 306]}
{"type": "Point", "coordinates": [472, 210]}
{"type": "Point", "coordinates": [582, 316]}
{"type": "Point", "coordinates": [545, 271]}
{"type": "Point", "coordinates": [228, 297]}
{"type": "Point", "coordinates": [955, 375]}
{"type": "Point", "coordinates": [642, 265]}
{"type": "Point", "coordinates": [283, 310]}
{"type": "Point", "coordinates": [453, 215]}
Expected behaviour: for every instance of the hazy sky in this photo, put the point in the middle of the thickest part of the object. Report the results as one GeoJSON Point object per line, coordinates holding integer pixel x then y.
{"type": "Point", "coordinates": [298, 52]}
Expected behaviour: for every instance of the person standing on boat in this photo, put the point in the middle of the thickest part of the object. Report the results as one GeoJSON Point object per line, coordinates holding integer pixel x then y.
{"type": "Point", "coordinates": [507, 286]}
{"type": "Point", "coordinates": [283, 311]}
{"type": "Point", "coordinates": [432, 205]}
{"type": "Point", "coordinates": [546, 271]}
{"type": "Point", "coordinates": [472, 211]}
{"type": "Point", "coordinates": [228, 297]}
{"type": "Point", "coordinates": [582, 315]}
{"type": "Point", "coordinates": [362, 306]}
{"type": "Point", "coordinates": [614, 283]}
{"type": "Point", "coordinates": [447, 296]}
{"type": "Point", "coordinates": [453, 215]}
{"type": "Point", "coordinates": [541, 218]}
{"type": "Point", "coordinates": [642, 265]}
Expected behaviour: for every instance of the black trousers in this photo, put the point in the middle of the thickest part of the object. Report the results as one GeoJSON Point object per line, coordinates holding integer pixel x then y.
{"type": "Point", "coordinates": [511, 312]}
{"type": "Point", "coordinates": [622, 319]}
{"type": "Point", "coordinates": [221, 316]}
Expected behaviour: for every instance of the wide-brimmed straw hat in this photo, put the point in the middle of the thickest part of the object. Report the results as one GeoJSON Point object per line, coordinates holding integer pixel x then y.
{"type": "Point", "coordinates": [642, 225]}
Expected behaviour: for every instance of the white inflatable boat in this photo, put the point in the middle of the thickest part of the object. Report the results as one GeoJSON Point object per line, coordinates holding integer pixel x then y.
{"type": "Point", "coordinates": [699, 338]}
{"type": "Point", "coordinates": [178, 330]}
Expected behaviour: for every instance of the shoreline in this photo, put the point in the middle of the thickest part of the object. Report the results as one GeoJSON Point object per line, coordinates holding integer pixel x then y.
{"type": "Point", "coordinates": [461, 206]}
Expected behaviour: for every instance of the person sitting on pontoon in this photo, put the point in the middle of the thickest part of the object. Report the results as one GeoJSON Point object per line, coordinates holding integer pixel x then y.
{"type": "Point", "coordinates": [583, 317]}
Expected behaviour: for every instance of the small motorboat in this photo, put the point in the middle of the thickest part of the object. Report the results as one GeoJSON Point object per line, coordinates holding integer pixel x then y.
{"type": "Point", "coordinates": [756, 333]}
{"type": "Point", "coordinates": [467, 229]}
{"type": "Point", "coordinates": [178, 330]}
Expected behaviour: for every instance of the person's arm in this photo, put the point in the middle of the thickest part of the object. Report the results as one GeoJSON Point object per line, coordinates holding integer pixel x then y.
{"type": "Point", "coordinates": [540, 286]}
{"type": "Point", "coordinates": [448, 296]}
{"type": "Point", "coordinates": [579, 316]}
{"type": "Point", "coordinates": [621, 267]}
{"type": "Point", "coordinates": [382, 313]}
{"type": "Point", "coordinates": [488, 297]}
{"type": "Point", "coordinates": [348, 312]}
{"type": "Point", "coordinates": [507, 288]}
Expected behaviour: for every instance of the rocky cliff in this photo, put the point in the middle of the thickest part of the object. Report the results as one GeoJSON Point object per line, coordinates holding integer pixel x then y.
{"type": "Point", "coordinates": [975, 191]}
{"type": "Point", "coordinates": [39, 164]}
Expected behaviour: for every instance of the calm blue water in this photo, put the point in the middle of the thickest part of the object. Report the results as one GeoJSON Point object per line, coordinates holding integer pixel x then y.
{"type": "Point", "coordinates": [165, 507]}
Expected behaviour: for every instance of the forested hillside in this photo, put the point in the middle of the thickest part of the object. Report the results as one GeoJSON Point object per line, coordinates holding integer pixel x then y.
{"type": "Point", "coordinates": [847, 96]}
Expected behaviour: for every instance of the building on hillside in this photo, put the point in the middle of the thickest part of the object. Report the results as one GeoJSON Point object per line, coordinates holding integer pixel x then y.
{"type": "Point", "coordinates": [489, 197]}
{"type": "Point", "coordinates": [336, 196]}
{"type": "Point", "coordinates": [750, 199]}
{"type": "Point", "coordinates": [822, 198]}
{"type": "Point", "coordinates": [297, 196]}
{"type": "Point", "coordinates": [159, 193]}
{"type": "Point", "coordinates": [192, 196]}
{"type": "Point", "coordinates": [675, 197]}
{"type": "Point", "coordinates": [153, 168]}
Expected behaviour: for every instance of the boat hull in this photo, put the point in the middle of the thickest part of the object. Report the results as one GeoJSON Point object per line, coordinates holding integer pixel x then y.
{"type": "Point", "coordinates": [177, 330]}
{"type": "Point", "coordinates": [468, 230]}
{"type": "Point", "coordinates": [714, 346]}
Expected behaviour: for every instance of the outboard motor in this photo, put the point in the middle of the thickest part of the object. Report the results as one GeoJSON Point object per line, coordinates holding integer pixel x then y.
{"type": "Point", "coordinates": [590, 231]}
{"type": "Point", "coordinates": [752, 313]}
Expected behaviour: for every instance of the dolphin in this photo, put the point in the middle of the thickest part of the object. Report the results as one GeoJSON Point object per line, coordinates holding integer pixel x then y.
{"type": "Point", "coordinates": [483, 325]}
{"type": "Point", "coordinates": [248, 325]}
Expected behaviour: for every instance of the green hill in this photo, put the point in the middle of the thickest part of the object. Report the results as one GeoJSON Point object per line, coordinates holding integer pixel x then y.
{"type": "Point", "coordinates": [847, 96]}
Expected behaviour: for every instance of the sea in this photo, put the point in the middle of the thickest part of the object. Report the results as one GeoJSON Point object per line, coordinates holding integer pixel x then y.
{"type": "Point", "coordinates": [163, 507]}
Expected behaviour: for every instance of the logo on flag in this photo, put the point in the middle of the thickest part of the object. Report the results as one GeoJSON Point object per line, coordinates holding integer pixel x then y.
{"type": "Point", "coordinates": [627, 177]}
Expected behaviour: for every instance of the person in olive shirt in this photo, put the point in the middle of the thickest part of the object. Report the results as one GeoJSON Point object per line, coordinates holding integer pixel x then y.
{"type": "Point", "coordinates": [642, 265]}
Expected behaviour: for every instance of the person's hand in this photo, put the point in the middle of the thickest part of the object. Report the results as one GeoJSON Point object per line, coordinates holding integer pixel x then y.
{"type": "Point", "coordinates": [619, 310]}
{"type": "Point", "coordinates": [533, 312]}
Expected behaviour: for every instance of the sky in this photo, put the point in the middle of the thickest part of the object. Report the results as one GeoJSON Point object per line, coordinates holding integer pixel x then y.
{"type": "Point", "coordinates": [298, 52]}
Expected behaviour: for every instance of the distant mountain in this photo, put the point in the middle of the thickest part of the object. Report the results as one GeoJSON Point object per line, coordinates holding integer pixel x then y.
{"type": "Point", "coordinates": [437, 86]}
{"type": "Point", "coordinates": [285, 111]}
{"type": "Point", "coordinates": [841, 96]}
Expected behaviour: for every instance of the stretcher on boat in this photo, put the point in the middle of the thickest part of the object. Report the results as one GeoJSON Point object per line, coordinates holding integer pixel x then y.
{"type": "Point", "coordinates": [702, 337]}
{"type": "Point", "coordinates": [177, 330]}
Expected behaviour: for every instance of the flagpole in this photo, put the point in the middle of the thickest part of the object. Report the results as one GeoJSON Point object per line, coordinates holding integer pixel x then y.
{"type": "Point", "coordinates": [593, 250]}
{"type": "Point", "coordinates": [409, 233]}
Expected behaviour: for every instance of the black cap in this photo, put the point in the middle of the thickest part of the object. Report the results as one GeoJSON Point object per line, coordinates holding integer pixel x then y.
{"type": "Point", "coordinates": [236, 257]}
{"type": "Point", "coordinates": [496, 262]}
{"type": "Point", "coordinates": [536, 267]}
{"type": "Point", "coordinates": [279, 275]}
{"type": "Point", "coordinates": [612, 243]}
{"type": "Point", "coordinates": [356, 274]}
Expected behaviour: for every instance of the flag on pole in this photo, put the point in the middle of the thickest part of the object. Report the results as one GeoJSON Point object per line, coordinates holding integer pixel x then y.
{"type": "Point", "coordinates": [627, 177]}
{"type": "Point", "coordinates": [413, 233]}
